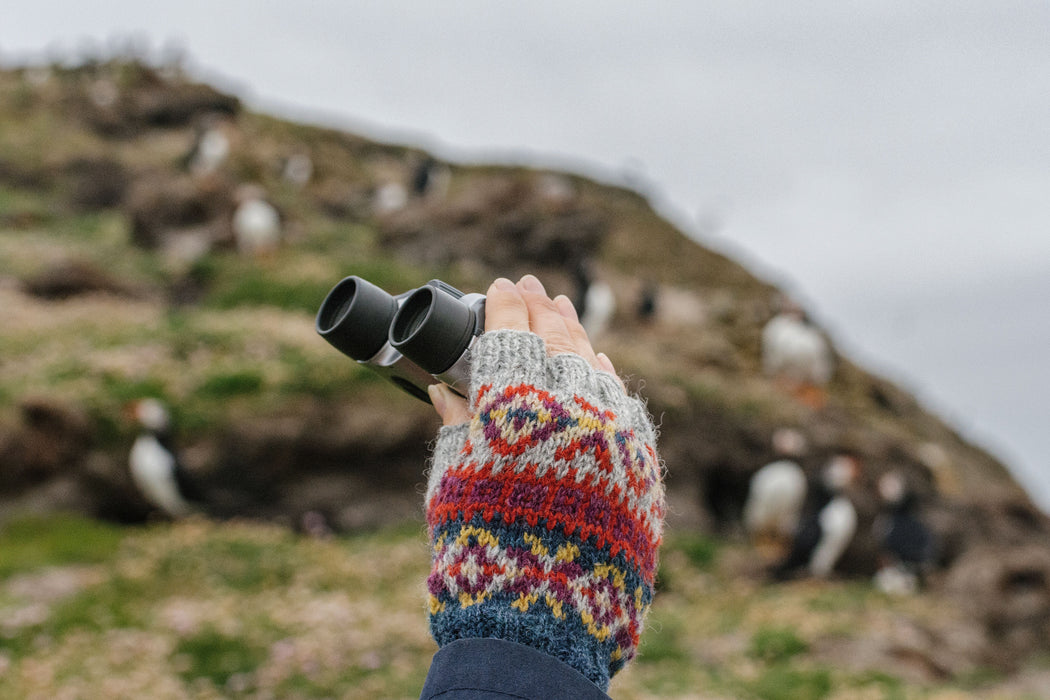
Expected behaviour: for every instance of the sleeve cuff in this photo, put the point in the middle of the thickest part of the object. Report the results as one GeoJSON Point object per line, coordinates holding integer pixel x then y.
{"type": "Point", "coordinates": [489, 669]}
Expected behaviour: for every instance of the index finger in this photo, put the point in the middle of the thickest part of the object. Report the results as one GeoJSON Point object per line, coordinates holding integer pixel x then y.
{"type": "Point", "coordinates": [505, 307]}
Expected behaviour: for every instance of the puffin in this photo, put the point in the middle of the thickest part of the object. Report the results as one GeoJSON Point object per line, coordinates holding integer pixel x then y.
{"type": "Point", "coordinates": [777, 494]}
{"type": "Point", "coordinates": [390, 197]}
{"type": "Point", "coordinates": [211, 147]}
{"type": "Point", "coordinates": [298, 168]}
{"type": "Point", "coordinates": [908, 547]}
{"type": "Point", "coordinates": [256, 223]}
{"type": "Point", "coordinates": [828, 526]}
{"type": "Point", "coordinates": [594, 300]}
{"type": "Point", "coordinates": [430, 179]}
{"type": "Point", "coordinates": [645, 310]}
{"type": "Point", "coordinates": [795, 352]}
{"type": "Point", "coordinates": [600, 304]}
{"type": "Point", "coordinates": [775, 497]}
{"type": "Point", "coordinates": [155, 468]}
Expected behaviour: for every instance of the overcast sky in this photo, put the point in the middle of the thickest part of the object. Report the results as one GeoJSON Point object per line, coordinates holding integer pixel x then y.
{"type": "Point", "coordinates": [888, 161]}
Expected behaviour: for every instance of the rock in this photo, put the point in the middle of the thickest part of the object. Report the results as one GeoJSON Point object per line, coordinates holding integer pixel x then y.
{"type": "Point", "coordinates": [142, 98]}
{"type": "Point", "coordinates": [95, 183]}
{"type": "Point", "coordinates": [504, 223]}
{"type": "Point", "coordinates": [50, 442]}
{"type": "Point", "coordinates": [161, 209]}
{"type": "Point", "coordinates": [72, 278]}
{"type": "Point", "coordinates": [1008, 591]}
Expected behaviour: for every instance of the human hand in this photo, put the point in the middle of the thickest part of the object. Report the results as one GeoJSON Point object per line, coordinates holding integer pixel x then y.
{"type": "Point", "coordinates": [544, 500]}
{"type": "Point", "coordinates": [525, 306]}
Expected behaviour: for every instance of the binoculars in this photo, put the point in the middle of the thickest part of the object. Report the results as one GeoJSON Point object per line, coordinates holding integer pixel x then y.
{"type": "Point", "coordinates": [413, 340]}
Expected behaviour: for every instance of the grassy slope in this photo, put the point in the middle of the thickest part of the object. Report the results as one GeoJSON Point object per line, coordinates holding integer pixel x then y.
{"type": "Point", "coordinates": [199, 610]}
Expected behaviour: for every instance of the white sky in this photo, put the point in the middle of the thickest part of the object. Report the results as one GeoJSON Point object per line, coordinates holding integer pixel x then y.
{"type": "Point", "coordinates": [889, 161]}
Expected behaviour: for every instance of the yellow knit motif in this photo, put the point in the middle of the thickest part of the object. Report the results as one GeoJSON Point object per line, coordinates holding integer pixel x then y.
{"type": "Point", "coordinates": [524, 601]}
{"type": "Point", "coordinates": [566, 553]}
{"type": "Point", "coordinates": [484, 537]}
{"type": "Point", "coordinates": [466, 599]}
{"type": "Point", "coordinates": [555, 606]}
{"type": "Point", "coordinates": [538, 548]}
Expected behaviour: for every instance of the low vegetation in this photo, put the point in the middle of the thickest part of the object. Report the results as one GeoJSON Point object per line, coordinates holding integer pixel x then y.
{"type": "Point", "coordinates": [242, 610]}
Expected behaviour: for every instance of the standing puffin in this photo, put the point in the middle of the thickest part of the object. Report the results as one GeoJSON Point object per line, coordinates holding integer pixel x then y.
{"type": "Point", "coordinates": [824, 534]}
{"type": "Point", "coordinates": [256, 223]}
{"type": "Point", "coordinates": [594, 300]}
{"type": "Point", "coordinates": [908, 545]}
{"type": "Point", "coordinates": [775, 497]}
{"type": "Point", "coordinates": [210, 148]}
{"type": "Point", "coordinates": [155, 469]}
{"type": "Point", "coordinates": [795, 353]}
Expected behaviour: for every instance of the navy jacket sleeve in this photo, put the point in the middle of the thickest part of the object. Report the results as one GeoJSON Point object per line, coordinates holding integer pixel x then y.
{"type": "Point", "coordinates": [494, 669]}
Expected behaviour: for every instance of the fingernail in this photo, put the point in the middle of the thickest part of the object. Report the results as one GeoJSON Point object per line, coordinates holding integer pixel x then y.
{"type": "Point", "coordinates": [503, 284]}
{"type": "Point", "coordinates": [565, 307]}
{"type": "Point", "coordinates": [606, 363]}
{"type": "Point", "coordinates": [532, 284]}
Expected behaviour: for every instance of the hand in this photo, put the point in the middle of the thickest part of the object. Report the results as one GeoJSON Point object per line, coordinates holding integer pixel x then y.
{"type": "Point", "coordinates": [525, 307]}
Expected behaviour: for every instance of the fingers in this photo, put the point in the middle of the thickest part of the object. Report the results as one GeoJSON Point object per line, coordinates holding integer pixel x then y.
{"type": "Point", "coordinates": [578, 336]}
{"type": "Point", "coordinates": [505, 307]}
{"type": "Point", "coordinates": [525, 306]}
{"type": "Point", "coordinates": [545, 320]}
{"type": "Point", "coordinates": [450, 406]}
{"type": "Point", "coordinates": [606, 364]}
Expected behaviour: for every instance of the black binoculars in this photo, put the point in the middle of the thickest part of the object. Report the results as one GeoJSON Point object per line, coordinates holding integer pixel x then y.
{"type": "Point", "coordinates": [414, 339]}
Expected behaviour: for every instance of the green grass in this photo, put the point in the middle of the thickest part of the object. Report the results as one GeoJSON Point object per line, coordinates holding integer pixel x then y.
{"type": "Point", "coordinates": [700, 550]}
{"type": "Point", "coordinates": [785, 682]}
{"type": "Point", "coordinates": [663, 640]}
{"type": "Point", "coordinates": [236, 383]}
{"type": "Point", "coordinates": [254, 287]}
{"type": "Point", "coordinates": [236, 564]}
{"type": "Point", "coordinates": [33, 542]}
{"type": "Point", "coordinates": [217, 657]}
{"type": "Point", "coordinates": [776, 644]}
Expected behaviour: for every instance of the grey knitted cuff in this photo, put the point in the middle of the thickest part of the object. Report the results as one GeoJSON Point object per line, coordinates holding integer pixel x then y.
{"type": "Point", "coordinates": [510, 358]}
{"type": "Point", "coordinates": [507, 358]}
{"type": "Point", "coordinates": [450, 441]}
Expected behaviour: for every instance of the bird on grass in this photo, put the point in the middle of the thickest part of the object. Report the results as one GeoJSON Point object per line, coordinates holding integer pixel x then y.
{"type": "Point", "coordinates": [256, 223]}
{"type": "Point", "coordinates": [796, 354]}
{"type": "Point", "coordinates": [908, 546]}
{"type": "Point", "coordinates": [775, 498]}
{"type": "Point", "coordinates": [829, 526]}
{"type": "Point", "coordinates": [155, 467]}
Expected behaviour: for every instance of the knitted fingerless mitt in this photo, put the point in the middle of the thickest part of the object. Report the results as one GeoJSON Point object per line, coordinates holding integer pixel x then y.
{"type": "Point", "coordinates": [545, 511]}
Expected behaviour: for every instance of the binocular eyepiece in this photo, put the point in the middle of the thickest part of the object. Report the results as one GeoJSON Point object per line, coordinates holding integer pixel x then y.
{"type": "Point", "coordinates": [415, 339]}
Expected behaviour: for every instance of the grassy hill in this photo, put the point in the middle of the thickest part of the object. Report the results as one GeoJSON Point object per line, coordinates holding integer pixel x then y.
{"type": "Point", "coordinates": [101, 303]}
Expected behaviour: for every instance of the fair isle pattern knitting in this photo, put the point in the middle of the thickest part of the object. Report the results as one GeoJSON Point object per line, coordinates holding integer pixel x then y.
{"type": "Point", "coordinates": [546, 510]}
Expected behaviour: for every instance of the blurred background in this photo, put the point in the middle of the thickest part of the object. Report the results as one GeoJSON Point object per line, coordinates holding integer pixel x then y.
{"type": "Point", "coordinates": [181, 184]}
{"type": "Point", "coordinates": [886, 162]}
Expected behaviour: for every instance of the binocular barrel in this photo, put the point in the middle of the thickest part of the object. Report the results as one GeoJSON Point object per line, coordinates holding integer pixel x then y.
{"type": "Point", "coordinates": [414, 339]}
{"type": "Point", "coordinates": [433, 328]}
{"type": "Point", "coordinates": [355, 316]}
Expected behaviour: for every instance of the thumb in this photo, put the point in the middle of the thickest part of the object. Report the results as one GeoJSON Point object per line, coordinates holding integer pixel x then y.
{"type": "Point", "coordinates": [449, 405]}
